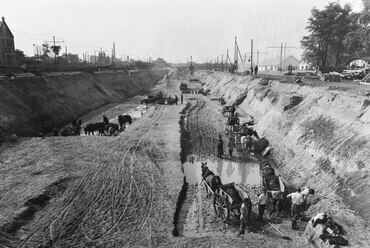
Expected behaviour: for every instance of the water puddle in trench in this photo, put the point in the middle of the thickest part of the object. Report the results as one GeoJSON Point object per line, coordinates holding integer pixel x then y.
{"type": "Point", "coordinates": [229, 171]}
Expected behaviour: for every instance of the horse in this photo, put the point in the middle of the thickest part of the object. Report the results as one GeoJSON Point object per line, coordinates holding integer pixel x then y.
{"type": "Point", "coordinates": [90, 128]}
{"type": "Point", "coordinates": [122, 120]}
{"type": "Point", "coordinates": [210, 178]}
{"type": "Point", "coordinates": [148, 101]}
{"type": "Point", "coordinates": [111, 128]}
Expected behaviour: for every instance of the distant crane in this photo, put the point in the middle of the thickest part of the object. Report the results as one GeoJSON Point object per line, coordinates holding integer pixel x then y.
{"type": "Point", "coordinates": [281, 52]}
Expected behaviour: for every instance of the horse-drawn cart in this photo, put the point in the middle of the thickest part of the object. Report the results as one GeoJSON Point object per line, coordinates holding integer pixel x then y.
{"type": "Point", "coordinates": [228, 200]}
{"type": "Point", "coordinates": [270, 181]}
{"type": "Point", "coordinates": [273, 183]}
{"type": "Point", "coordinates": [228, 111]}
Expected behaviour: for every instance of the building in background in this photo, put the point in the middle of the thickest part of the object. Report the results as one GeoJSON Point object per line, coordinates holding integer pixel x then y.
{"type": "Point", "coordinates": [160, 62]}
{"type": "Point", "coordinates": [273, 64]}
{"type": "Point", "coordinates": [7, 50]}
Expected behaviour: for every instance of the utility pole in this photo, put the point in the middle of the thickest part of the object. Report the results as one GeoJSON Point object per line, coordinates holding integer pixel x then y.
{"type": "Point", "coordinates": [222, 62]}
{"type": "Point", "coordinates": [251, 56]}
{"type": "Point", "coordinates": [54, 41]}
{"type": "Point", "coordinates": [258, 54]}
{"type": "Point", "coordinates": [236, 56]}
{"type": "Point", "coordinates": [281, 57]}
{"type": "Point", "coordinates": [113, 54]}
{"type": "Point", "coordinates": [281, 53]}
{"type": "Point", "coordinates": [284, 50]}
{"type": "Point", "coordinates": [55, 60]}
{"type": "Point", "coordinates": [66, 56]}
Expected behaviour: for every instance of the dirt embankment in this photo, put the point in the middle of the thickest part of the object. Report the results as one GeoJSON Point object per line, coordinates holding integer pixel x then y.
{"type": "Point", "coordinates": [34, 104]}
{"type": "Point", "coordinates": [320, 135]}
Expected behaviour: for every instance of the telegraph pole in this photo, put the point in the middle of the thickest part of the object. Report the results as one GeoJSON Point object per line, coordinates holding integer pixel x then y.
{"type": "Point", "coordinates": [55, 59]}
{"type": "Point", "coordinates": [284, 50]}
{"type": "Point", "coordinates": [236, 55]}
{"type": "Point", "coordinates": [53, 41]}
{"type": "Point", "coordinates": [281, 57]}
{"type": "Point", "coordinates": [113, 54]}
{"type": "Point", "coordinates": [66, 56]}
{"type": "Point", "coordinates": [251, 56]}
{"type": "Point", "coordinates": [281, 53]}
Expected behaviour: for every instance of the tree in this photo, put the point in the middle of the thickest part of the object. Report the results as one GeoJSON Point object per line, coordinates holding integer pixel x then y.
{"type": "Point", "coordinates": [20, 57]}
{"type": "Point", "coordinates": [56, 50]}
{"type": "Point", "coordinates": [45, 51]}
{"type": "Point", "coordinates": [327, 31]}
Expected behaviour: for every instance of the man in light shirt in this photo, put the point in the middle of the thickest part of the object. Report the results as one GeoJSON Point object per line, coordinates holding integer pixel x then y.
{"type": "Point", "coordinates": [305, 192]}
{"type": "Point", "coordinates": [297, 201]}
{"type": "Point", "coordinates": [262, 202]}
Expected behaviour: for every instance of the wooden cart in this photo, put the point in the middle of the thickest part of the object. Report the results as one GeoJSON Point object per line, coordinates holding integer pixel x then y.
{"type": "Point", "coordinates": [229, 200]}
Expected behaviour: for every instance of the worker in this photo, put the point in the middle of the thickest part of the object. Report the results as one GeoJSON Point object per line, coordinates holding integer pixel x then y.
{"type": "Point", "coordinates": [105, 120]}
{"type": "Point", "coordinates": [182, 98]}
{"type": "Point", "coordinates": [220, 147]}
{"type": "Point", "coordinates": [277, 202]}
{"type": "Point", "coordinates": [305, 192]}
{"type": "Point", "coordinates": [297, 201]}
{"type": "Point", "coordinates": [55, 131]}
{"type": "Point", "coordinates": [262, 202]}
{"type": "Point", "coordinates": [230, 145]}
{"type": "Point", "coordinates": [245, 212]}
{"type": "Point", "coordinates": [176, 99]}
{"type": "Point", "coordinates": [233, 109]}
{"type": "Point", "coordinates": [255, 69]}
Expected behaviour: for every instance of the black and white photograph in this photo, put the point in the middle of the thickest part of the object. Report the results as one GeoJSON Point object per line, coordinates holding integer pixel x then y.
{"type": "Point", "coordinates": [184, 123]}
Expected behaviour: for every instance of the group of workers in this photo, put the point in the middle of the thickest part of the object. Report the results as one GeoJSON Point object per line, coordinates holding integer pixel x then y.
{"type": "Point", "coordinates": [298, 199]}
{"type": "Point", "coordinates": [220, 147]}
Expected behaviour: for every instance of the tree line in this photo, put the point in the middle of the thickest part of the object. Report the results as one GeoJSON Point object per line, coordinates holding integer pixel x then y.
{"type": "Point", "coordinates": [336, 35]}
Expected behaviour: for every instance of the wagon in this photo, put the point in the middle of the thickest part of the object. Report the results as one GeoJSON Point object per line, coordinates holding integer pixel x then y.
{"type": "Point", "coordinates": [227, 110]}
{"type": "Point", "coordinates": [229, 200]}
{"type": "Point", "coordinates": [273, 183]}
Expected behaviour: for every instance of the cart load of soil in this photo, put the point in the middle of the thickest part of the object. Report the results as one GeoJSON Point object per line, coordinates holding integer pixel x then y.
{"type": "Point", "coordinates": [233, 193]}
{"type": "Point", "coordinates": [260, 145]}
{"type": "Point", "coordinates": [272, 183]}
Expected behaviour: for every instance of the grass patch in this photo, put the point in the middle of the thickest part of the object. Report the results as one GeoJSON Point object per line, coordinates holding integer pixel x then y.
{"type": "Point", "coordinates": [324, 164]}
{"type": "Point", "coordinates": [320, 130]}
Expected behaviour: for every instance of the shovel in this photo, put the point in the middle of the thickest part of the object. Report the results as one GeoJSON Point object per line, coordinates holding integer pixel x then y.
{"type": "Point", "coordinates": [284, 237]}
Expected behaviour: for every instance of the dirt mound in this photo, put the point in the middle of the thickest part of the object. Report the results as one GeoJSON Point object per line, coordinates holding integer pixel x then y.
{"type": "Point", "coordinates": [30, 105]}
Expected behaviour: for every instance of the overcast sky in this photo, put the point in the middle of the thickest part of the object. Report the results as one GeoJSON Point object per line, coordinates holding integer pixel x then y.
{"type": "Point", "coordinates": [172, 29]}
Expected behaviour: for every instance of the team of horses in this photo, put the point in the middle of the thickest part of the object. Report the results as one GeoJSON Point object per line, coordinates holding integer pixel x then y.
{"type": "Point", "coordinates": [100, 127]}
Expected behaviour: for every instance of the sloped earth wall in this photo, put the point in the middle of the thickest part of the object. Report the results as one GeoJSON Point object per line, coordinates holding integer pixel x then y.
{"type": "Point", "coordinates": [320, 137]}
{"type": "Point", "coordinates": [30, 105]}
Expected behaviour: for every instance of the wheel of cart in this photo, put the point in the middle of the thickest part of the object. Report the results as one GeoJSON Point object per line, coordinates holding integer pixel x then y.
{"type": "Point", "coordinates": [221, 207]}
{"type": "Point", "coordinates": [228, 200]}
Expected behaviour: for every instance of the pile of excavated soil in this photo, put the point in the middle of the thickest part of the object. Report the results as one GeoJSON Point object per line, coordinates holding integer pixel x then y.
{"type": "Point", "coordinates": [30, 105]}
